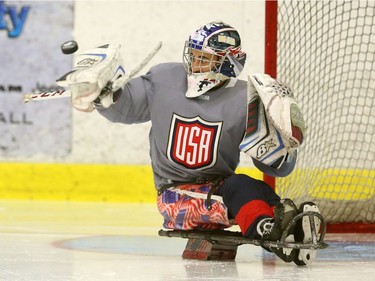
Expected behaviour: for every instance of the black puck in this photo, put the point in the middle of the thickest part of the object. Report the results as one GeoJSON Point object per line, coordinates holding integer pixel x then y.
{"type": "Point", "coordinates": [69, 47]}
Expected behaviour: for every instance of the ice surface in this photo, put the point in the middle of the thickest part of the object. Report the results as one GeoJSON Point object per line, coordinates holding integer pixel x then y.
{"type": "Point", "coordinates": [105, 241]}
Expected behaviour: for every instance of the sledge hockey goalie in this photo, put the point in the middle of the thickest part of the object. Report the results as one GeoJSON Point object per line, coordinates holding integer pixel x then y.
{"type": "Point", "coordinates": [202, 117]}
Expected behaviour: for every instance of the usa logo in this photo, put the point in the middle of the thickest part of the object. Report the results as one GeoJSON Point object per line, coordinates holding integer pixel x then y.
{"type": "Point", "coordinates": [193, 142]}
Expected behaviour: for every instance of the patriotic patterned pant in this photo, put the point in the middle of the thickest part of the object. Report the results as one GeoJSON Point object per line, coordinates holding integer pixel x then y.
{"type": "Point", "coordinates": [186, 208]}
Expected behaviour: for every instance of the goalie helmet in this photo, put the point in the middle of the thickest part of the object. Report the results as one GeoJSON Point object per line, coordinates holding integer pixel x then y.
{"type": "Point", "coordinates": [219, 45]}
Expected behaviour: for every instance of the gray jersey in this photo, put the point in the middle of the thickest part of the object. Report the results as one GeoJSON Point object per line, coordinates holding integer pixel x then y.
{"type": "Point", "coordinates": [189, 138]}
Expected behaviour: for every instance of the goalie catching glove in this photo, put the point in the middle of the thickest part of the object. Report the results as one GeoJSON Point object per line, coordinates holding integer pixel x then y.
{"type": "Point", "coordinates": [96, 75]}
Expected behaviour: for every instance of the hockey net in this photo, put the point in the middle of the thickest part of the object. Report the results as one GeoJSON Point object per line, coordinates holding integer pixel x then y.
{"type": "Point", "coordinates": [325, 52]}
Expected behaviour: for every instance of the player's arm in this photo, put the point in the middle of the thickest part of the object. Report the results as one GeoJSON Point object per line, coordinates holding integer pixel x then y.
{"type": "Point", "coordinates": [131, 103]}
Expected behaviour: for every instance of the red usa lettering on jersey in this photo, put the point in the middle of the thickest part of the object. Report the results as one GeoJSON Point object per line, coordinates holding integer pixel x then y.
{"type": "Point", "coordinates": [193, 142]}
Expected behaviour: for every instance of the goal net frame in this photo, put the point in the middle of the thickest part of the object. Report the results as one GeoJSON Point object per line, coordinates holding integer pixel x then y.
{"type": "Point", "coordinates": [271, 68]}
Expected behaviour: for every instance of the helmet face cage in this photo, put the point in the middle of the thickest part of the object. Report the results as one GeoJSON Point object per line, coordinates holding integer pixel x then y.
{"type": "Point", "coordinates": [221, 40]}
{"type": "Point", "coordinates": [201, 61]}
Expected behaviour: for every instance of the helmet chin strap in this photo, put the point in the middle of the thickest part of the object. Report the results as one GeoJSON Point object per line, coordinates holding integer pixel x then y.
{"type": "Point", "coordinates": [201, 83]}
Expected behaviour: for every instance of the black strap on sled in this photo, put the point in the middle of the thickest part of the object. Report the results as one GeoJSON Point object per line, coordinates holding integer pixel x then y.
{"type": "Point", "coordinates": [214, 183]}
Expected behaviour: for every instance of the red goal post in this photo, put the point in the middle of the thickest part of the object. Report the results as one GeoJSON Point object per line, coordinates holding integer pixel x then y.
{"type": "Point", "coordinates": [325, 52]}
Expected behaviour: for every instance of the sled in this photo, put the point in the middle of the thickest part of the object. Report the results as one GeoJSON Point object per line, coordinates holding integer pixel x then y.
{"type": "Point", "coordinates": [223, 244]}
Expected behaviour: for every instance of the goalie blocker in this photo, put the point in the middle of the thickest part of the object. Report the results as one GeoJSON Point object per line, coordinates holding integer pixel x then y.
{"type": "Point", "coordinates": [281, 108]}
{"type": "Point", "coordinates": [275, 125]}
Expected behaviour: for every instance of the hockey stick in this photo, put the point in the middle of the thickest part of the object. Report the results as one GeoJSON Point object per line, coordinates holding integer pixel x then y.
{"type": "Point", "coordinates": [66, 93]}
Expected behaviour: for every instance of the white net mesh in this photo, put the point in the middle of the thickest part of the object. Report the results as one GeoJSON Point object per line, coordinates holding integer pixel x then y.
{"type": "Point", "coordinates": [326, 54]}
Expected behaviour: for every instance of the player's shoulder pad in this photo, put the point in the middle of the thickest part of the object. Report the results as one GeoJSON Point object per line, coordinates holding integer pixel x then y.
{"type": "Point", "coordinates": [167, 67]}
{"type": "Point", "coordinates": [166, 71]}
